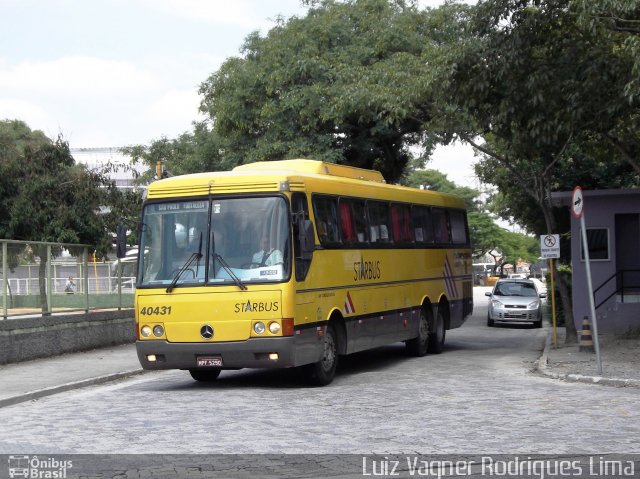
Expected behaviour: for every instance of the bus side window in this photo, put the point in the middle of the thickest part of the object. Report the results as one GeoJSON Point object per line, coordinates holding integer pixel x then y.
{"type": "Point", "coordinates": [299, 205]}
{"type": "Point", "coordinates": [353, 221]}
{"type": "Point", "coordinates": [401, 223]}
{"type": "Point", "coordinates": [360, 220]}
{"type": "Point", "coordinates": [458, 227]}
{"type": "Point", "coordinates": [440, 226]}
{"type": "Point", "coordinates": [379, 221]}
{"type": "Point", "coordinates": [422, 224]}
{"type": "Point", "coordinates": [346, 222]}
{"type": "Point", "coordinates": [326, 214]}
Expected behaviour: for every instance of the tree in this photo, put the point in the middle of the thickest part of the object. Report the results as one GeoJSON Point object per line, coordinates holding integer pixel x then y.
{"type": "Point", "coordinates": [438, 181]}
{"type": "Point", "coordinates": [189, 153]}
{"type": "Point", "coordinates": [531, 90]}
{"type": "Point", "coordinates": [348, 83]}
{"type": "Point", "coordinates": [45, 196]}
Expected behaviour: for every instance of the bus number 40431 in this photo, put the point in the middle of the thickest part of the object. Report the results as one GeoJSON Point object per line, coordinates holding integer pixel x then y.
{"type": "Point", "coordinates": [157, 311]}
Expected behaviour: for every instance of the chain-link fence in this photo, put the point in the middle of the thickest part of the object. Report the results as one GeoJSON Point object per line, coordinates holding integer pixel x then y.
{"type": "Point", "coordinates": [45, 278]}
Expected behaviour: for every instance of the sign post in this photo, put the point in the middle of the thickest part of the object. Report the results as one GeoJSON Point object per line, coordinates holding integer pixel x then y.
{"type": "Point", "coordinates": [577, 208]}
{"type": "Point", "coordinates": [550, 249]}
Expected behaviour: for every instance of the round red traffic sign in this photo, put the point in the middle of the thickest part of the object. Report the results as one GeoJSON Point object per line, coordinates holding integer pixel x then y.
{"type": "Point", "coordinates": [577, 202]}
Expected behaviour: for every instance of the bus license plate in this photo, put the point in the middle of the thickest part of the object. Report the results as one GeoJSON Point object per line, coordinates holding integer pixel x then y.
{"type": "Point", "coordinates": [209, 361]}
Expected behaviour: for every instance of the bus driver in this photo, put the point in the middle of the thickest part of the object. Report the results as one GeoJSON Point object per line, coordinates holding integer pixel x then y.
{"type": "Point", "coordinates": [267, 256]}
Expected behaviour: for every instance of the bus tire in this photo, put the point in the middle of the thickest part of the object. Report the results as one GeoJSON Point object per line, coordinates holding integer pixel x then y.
{"type": "Point", "coordinates": [419, 345]}
{"type": "Point", "coordinates": [438, 334]}
{"type": "Point", "coordinates": [323, 372]}
{"type": "Point", "coordinates": [205, 375]}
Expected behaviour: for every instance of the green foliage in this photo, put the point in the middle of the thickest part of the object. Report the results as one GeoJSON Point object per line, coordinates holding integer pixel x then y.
{"type": "Point", "coordinates": [545, 95]}
{"type": "Point", "coordinates": [348, 83]}
{"type": "Point", "coordinates": [505, 246]}
{"type": "Point", "coordinates": [189, 153]}
{"type": "Point", "coordinates": [618, 22]}
{"type": "Point", "coordinates": [46, 196]}
{"type": "Point", "coordinates": [438, 181]}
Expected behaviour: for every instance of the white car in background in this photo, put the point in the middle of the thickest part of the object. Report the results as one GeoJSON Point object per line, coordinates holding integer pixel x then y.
{"type": "Point", "coordinates": [514, 300]}
{"type": "Point", "coordinates": [540, 286]}
{"type": "Point", "coordinates": [517, 276]}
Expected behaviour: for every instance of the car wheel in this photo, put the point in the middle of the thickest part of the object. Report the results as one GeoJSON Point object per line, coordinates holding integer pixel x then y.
{"type": "Point", "coordinates": [323, 372]}
{"type": "Point", "coordinates": [490, 322]}
{"type": "Point", "coordinates": [205, 375]}
{"type": "Point", "coordinates": [538, 323]}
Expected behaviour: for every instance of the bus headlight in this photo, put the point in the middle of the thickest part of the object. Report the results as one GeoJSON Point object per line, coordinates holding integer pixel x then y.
{"type": "Point", "coordinates": [258, 327]}
{"type": "Point", "coordinates": [158, 330]}
{"type": "Point", "coordinates": [145, 331]}
{"type": "Point", "coordinates": [274, 327]}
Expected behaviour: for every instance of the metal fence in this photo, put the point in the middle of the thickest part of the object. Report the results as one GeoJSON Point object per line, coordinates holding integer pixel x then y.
{"type": "Point", "coordinates": [48, 278]}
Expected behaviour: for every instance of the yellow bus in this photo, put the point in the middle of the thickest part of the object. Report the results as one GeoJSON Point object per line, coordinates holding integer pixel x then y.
{"type": "Point", "coordinates": [292, 264]}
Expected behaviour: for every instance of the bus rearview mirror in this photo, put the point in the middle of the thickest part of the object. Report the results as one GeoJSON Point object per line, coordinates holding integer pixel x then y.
{"type": "Point", "coordinates": [306, 238]}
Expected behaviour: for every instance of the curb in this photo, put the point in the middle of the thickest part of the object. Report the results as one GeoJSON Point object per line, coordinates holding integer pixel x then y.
{"type": "Point", "coordinates": [40, 393]}
{"type": "Point", "coordinates": [542, 366]}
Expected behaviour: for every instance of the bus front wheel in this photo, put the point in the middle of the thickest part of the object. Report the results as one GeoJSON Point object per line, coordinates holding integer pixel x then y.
{"type": "Point", "coordinates": [205, 375]}
{"type": "Point", "coordinates": [323, 372]}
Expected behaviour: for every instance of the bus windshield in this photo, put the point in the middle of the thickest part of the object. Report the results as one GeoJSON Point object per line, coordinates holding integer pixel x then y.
{"type": "Point", "coordinates": [219, 242]}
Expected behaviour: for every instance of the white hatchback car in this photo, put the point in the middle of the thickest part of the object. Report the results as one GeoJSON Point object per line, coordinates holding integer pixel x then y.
{"type": "Point", "coordinates": [515, 301]}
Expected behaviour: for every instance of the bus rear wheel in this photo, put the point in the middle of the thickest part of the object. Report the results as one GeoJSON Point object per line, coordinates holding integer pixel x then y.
{"type": "Point", "coordinates": [205, 375]}
{"type": "Point", "coordinates": [323, 372]}
{"type": "Point", "coordinates": [437, 336]}
{"type": "Point", "coordinates": [418, 346]}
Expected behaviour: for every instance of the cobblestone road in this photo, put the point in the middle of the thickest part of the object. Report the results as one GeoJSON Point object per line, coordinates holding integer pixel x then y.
{"type": "Point", "coordinates": [478, 397]}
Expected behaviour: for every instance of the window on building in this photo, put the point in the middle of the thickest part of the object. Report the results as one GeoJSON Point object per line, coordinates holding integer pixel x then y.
{"type": "Point", "coordinates": [598, 242]}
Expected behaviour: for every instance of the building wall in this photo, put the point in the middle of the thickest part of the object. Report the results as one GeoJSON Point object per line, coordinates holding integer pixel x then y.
{"type": "Point", "coordinates": [96, 158]}
{"type": "Point", "coordinates": [600, 209]}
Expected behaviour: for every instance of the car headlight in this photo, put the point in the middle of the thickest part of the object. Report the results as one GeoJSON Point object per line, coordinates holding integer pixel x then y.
{"type": "Point", "coordinates": [259, 327]}
{"type": "Point", "coordinates": [496, 304]}
{"type": "Point", "coordinates": [533, 304]}
{"type": "Point", "coordinates": [145, 331]}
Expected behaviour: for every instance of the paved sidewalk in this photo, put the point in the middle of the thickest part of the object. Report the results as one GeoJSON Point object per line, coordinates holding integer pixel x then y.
{"type": "Point", "coordinates": [620, 359]}
{"type": "Point", "coordinates": [29, 380]}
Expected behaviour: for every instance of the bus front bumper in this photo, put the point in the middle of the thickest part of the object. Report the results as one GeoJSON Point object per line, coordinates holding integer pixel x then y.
{"type": "Point", "coordinates": [253, 353]}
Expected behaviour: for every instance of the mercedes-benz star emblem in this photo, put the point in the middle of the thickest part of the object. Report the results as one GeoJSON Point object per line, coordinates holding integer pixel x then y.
{"type": "Point", "coordinates": [206, 331]}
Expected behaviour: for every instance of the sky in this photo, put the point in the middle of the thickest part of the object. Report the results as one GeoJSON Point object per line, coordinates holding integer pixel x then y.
{"type": "Point", "coordinates": [112, 73]}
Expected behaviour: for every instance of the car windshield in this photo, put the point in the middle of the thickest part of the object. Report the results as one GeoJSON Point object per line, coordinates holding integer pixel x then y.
{"type": "Point", "coordinates": [222, 241]}
{"type": "Point", "coordinates": [512, 288]}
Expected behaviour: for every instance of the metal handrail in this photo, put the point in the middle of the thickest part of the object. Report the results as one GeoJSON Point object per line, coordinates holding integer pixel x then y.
{"type": "Point", "coordinates": [53, 298]}
{"type": "Point", "coordinates": [621, 289]}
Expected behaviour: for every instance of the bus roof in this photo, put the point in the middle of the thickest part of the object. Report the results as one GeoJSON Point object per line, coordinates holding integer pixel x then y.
{"type": "Point", "coordinates": [314, 167]}
{"type": "Point", "coordinates": [298, 175]}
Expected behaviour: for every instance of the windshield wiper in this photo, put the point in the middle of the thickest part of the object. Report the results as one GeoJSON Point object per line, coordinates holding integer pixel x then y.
{"type": "Point", "coordinates": [194, 257]}
{"type": "Point", "coordinates": [229, 271]}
